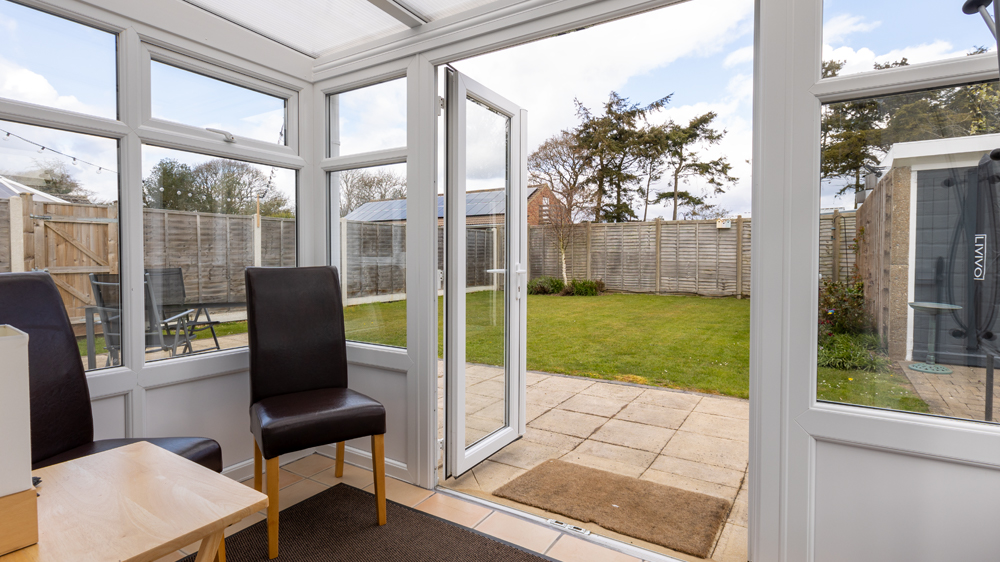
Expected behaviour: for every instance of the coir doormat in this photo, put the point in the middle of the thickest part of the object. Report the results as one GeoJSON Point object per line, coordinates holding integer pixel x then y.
{"type": "Point", "coordinates": [684, 521]}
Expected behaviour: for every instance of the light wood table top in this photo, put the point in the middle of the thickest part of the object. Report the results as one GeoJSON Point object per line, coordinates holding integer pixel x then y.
{"type": "Point", "coordinates": [136, 503]}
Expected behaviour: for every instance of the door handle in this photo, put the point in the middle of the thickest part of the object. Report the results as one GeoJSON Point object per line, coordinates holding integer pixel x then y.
{"type": "Point", "coordinates": [519, 272]}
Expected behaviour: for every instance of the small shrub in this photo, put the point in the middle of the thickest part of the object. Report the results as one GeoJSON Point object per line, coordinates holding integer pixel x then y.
{"type": "Point", "coordinates": [582, 288]}
{"type": "Point", "coordinates": [545, 286]}
{"type": "Point", "coordinates": [842, 307]}
{"type": "Point", "coordinates": [852, 352]}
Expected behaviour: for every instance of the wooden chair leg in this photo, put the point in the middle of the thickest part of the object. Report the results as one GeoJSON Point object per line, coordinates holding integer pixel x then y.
{"type": "Point", "coordinates": [339, 471]}
{"type": "Point", "coordinates": [378, 466]}
{"type": "Point", "coordinates": [220, 555]}
{"type": "Point", "coordinates": [258, 482]}
{"type": "Point", "coordinates": [272, 507]}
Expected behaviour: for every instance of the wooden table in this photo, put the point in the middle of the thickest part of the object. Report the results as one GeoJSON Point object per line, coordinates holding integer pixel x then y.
{"type": "Point", "coordinates": [136, 503]}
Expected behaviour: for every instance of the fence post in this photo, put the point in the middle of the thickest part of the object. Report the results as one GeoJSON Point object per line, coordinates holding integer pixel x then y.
{"type": "Point", "coordinates": [659, 227]}
{"type": "Point", "coordinates": [258, 243]}
{"type": "Point", "coordinates": [836, 246]}
{"type": "Point", "coordinates": [343, 260]}
{"type": "Point", "coordinates": [16, 234]}
{"type": "Point", "coordinates": [739, 256]}
{"type": "Point", "coordinates": [589, 275]}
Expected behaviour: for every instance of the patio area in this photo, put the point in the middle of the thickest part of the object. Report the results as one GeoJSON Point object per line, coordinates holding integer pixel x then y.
{"type": "Point", "coordinates": [686, 440]}
{"type": "Point", "coordinates": [961, 394]}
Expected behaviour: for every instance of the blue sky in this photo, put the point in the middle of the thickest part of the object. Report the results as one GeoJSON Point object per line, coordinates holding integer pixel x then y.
{"type": "Point", "coordinates": [701, 51]}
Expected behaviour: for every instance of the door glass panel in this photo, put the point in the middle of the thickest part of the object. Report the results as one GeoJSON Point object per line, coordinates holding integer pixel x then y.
{"type": "Point", "coordinates": [486, 212]}
{"type": "Point", "coordinates": [908, 292]}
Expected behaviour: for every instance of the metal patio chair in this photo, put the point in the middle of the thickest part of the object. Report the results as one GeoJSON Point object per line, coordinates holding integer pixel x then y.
{"type": "Point", "coordinates": [168, 286]}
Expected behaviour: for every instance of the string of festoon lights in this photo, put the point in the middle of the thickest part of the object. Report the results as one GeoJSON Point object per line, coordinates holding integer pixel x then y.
{"type": "Point", "coordinates": [42, 149]}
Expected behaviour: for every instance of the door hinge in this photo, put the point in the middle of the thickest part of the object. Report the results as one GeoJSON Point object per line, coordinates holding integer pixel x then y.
{"type": "Point", "coordinates": [440, 107]}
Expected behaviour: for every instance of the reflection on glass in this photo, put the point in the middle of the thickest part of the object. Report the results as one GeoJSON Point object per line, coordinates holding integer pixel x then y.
{"type": "Point", "coordinates": [486, 204]}
{"type": "Point", "coordinates": [901, 327]}
{"type": "Point", "coordinates": [205, 220]}
{"type": "Point", "coordinates": [186, 97]}
{"type": "Point", "coordinates": [369, 118]}
{"type": "Point", "coordinates": [864, 35]}
{"type": "Point", "coordinates": [67, 183]}
{"type": "Point", "coordinates": [51, 61]}
{"type": "Point", "coordinates": [373, 252]}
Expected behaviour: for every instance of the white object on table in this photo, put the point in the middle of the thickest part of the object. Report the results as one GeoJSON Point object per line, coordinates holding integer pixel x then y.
{"type": "Point", "coordinates": [15, 412]}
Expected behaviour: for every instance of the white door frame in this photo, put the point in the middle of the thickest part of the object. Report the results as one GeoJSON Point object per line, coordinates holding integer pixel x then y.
{"type": "Point", "coordinates": [459, 458]}
{"type": "Point", "coordinates": [788, 425]}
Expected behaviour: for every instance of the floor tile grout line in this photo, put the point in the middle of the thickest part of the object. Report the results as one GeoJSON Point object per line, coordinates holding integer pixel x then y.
{"type": "Point", "coordinates": [552, 544]}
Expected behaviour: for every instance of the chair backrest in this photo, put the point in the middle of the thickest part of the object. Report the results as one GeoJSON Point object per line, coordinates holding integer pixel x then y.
{"type": "Point", "coordinates": [296, 329]}
{"type": "Point", "coordinates": [61, 418]}
{"type": "Point", "coordinates": [106, 288]}
{"type": "Point", "coordinates": [168, 285]}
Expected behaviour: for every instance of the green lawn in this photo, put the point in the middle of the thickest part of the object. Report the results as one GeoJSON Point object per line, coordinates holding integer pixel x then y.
{"type": "Point", "coordinates": [865, 388]}
{"type": "Point", "coordinates": [689, 343]}
{"type": "Point", "coordinates": [223, 329]}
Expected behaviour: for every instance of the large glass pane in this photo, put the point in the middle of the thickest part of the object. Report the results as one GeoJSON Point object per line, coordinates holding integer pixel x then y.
{"type": "Point", "coordinates": [57, 63]}
{"type": "Point", "coordinates": [373, 252]}
{"type": "Point", "coordinates": [66, 187]}
{"type": "Point", "coordinates": [486, 212]}
{"type": "Point", "coordinates": [193, 99]}
{"type": "Point", "coordinates": [205, 220]}
{"type": "Point", "coordinates": [369, 118]}
{"type": "Point", "coordinates": [863, 36]}
{"type": "Point", "coordinates": [908, 283]}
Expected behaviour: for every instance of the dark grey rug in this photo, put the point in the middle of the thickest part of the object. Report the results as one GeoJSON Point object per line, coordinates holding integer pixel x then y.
{"type": "Point", "coordinates": [339, 524]}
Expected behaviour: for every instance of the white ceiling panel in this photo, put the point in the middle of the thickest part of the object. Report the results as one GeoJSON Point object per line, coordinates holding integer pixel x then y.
{"type": "Point", "coordinates": [313, 26]}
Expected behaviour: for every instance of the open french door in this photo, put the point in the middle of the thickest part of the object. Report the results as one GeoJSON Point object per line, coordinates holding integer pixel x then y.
{"type": "Point", "coordinates": [485, 271]}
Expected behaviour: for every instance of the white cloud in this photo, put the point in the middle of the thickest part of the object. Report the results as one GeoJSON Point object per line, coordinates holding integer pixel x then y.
{"type": "Point", "coordinates": [842, 25]}
{"type": "Point", "coordinates": [21, 84]}
{"type": "Point", "coordinates": [864, 59]}
{"type": "Point", "coordinates": [546, 76]}
{"type": "Point", "coordinates": [739, 56]}
{"type": "Point", "coordinates": [8, 24]}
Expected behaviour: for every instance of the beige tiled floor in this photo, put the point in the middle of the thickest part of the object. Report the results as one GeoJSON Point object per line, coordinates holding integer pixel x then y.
{"type": "Point", "coordinates": [690, 441]}
{"type": "Point", "coordinates": [313, 478]}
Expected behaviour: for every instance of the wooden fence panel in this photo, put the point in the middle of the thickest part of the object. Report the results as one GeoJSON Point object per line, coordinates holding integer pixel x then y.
{"type": "Point", "coordinates": [695, 257]}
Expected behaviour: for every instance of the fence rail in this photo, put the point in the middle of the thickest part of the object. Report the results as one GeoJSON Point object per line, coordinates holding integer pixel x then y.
{"type": "Point", "coordinates": [72, 241]}
{"type": "Point", "coordinates": [675, 257]}
{"type": "Point", "coordinates": [664, 257]}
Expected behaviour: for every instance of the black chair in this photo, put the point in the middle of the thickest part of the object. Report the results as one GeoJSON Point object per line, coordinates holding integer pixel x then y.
{"type": "Point", "coordinates": [62, 424]}
{"type": "Point", "coordinates": [167, 284]}
{"type": "Point", "coordinates": [298, 378]}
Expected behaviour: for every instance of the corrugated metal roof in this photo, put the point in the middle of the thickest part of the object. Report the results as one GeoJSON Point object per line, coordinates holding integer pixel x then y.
{"type": "Point", "coordinates": [477, 203]}
{"type": "Point", "coordinates": [10, 188]}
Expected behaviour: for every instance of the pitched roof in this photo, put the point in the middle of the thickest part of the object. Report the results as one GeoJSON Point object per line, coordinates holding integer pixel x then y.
{"type": "Point", "coordinates": [10, 188]}
{"type": "Point", "coordinates": [477, 203]}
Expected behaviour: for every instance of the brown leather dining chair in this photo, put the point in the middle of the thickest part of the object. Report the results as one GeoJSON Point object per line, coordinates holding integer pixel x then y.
{"type": "Point", "coordinates": [298, 378]}
{"type": "Point", "coordinates": [62, 423]}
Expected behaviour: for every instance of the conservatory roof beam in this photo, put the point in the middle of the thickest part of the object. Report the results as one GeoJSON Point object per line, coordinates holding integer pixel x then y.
{"type": "Point", "coordinates": [402, 13]}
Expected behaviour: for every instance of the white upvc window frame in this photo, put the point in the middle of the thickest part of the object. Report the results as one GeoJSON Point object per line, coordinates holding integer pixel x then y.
{"type": "Point", "coordinates": [131, 130]}
{"type": "Point", "coordinates": [787, 420]}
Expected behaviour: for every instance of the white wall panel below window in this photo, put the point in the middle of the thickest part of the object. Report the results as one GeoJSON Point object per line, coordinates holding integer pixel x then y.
{"type": "Point", "coordinates": [217, 407]}
{"type": "Point", "coordinates": [875, 505]}
{"type": "Point", "coordinates": [109, 417]}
